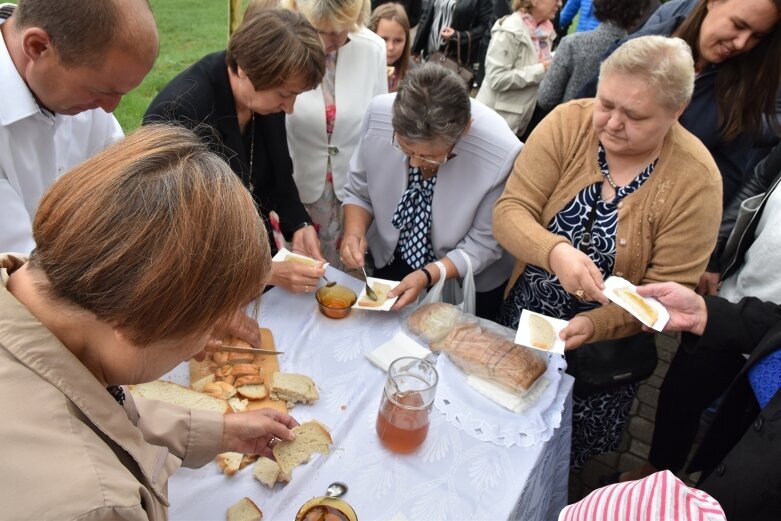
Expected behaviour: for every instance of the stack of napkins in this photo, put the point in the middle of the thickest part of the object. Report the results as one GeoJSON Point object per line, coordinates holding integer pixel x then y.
{"type": "Point", "coordinates": [515, 402]}
{"type": "Point", "coordinates": [398, 346]}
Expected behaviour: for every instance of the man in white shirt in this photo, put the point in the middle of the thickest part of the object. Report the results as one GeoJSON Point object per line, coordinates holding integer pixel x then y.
{"type": "Point", "coordinates": [64, 66]}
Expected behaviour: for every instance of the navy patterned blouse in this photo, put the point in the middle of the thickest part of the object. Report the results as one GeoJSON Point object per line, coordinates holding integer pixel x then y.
{"type": "Point", "coordinates": [540, 291]}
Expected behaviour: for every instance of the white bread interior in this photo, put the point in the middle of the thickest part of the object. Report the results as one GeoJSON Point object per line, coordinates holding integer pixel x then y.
{"type": "Point", "coordinates": [292, 388]}
{"type": "Point", "coordinates": [311, 437]}
{"type": "Point", "coordinates": [244, 510]}
{"type": "Point", "coordinates": [176, 394]}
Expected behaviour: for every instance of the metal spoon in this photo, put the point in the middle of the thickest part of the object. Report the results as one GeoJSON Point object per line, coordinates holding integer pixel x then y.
{"type": "Point", "coordinates": [336, 489]}
{"type": "Point", "coordinates": [369, 291]}
{"type": "Point", "coordinates": [328, 283]}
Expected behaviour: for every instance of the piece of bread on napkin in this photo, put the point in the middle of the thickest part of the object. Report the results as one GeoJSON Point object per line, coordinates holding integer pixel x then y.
{"type": "Point", "coordinates": [178, 395]}
{"type": "Point", "coordinates": [541, 332]}
{"type": "Point", "coordinates": [292, 388]}
{"type": "Point", "coordinates": [311, 437]}
{"type": "Point", "coordinates": [381, 290]}
{"type": "Point", "coordinates": [639, 307]}
{"type": "Point", "coordinates": [244, 510]}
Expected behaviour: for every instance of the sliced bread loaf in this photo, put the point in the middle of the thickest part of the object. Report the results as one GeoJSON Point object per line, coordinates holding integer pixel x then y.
{"type": "Point", "coordinates": [178, 395]}
{"type": "Point", "coordinates": [311, 437]}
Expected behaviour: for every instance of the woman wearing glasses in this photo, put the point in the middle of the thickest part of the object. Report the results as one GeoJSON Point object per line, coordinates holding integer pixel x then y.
{"type": "Point", "coordinates": [422, 184]}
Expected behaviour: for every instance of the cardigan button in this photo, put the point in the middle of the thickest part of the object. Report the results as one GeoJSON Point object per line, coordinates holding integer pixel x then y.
{"type": "Point", "coordinates": [620, 204]}
{"type": "Point", "coordinates": [622, 242]}
{"type": "Point", "coordinates": [619, 274]}
{"type": "Point", "coordinates": [720, 469]}
{"type": "Point", "coordinates": [759, 423]}
{"type": "Point", "coordinates": [332, 150]}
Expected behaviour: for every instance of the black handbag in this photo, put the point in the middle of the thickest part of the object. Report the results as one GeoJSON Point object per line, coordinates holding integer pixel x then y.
{"type": "Point", "coordinates": [464, 71]}
{"type": "Point", "coordinates": [609, 363]}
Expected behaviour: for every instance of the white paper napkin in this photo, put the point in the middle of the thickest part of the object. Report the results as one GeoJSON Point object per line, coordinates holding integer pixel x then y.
{"type": "Point", "coordinates": [385, 305]}
{"type": "Point", "coordinates": [285, 254]}
{"type": "Point", "coordinates": [515, 402]}
{"type": "Point", "coordinates": [398, 346]}
{"type": "Point", "coordinates": [614, 283]}
{"type": "Point", "coordinates": [523, 336]}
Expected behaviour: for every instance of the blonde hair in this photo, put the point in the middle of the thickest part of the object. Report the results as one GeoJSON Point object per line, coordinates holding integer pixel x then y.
{"type": "Point", "coordinates": [256, 46]}
{"type": "Point", "coordinates": [525, 5]}
{"type": "Point", "coordinates": [349, 15]}
{"type": "Point", "coordinates": [155, 235]}
{"type": "Point", "coordinates": [665, 63]}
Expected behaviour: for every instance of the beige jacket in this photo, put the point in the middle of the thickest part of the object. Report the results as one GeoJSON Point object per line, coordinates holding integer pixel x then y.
{"type": "Point", "coordinates": [666, 229]}
{"type": "Point", "coordinates": [512, 72]}
{"type": "Point", "coordinates": [68, 450]}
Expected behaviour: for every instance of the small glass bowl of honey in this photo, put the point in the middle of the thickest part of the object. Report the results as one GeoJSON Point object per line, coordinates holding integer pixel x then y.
{"type": "Point", "coordinates": [326, 508]}
{"type": "Point", "coordinates": [335, 301]}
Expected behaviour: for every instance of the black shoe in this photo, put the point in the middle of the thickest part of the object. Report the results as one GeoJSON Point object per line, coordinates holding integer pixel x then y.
{"type": "Point", "coordinates": [609, 479]}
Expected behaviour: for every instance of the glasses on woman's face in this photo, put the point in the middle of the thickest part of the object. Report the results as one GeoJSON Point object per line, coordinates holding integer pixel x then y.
{"type": "Point", "coordinates": [427, 160]}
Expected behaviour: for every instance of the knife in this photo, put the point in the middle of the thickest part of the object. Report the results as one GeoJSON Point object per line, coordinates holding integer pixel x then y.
{"type": "Point", "coordinates": [237, 349]}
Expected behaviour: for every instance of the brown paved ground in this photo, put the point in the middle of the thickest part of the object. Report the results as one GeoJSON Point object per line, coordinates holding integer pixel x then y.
{"type": "Point", "coordinates": [637, 437]}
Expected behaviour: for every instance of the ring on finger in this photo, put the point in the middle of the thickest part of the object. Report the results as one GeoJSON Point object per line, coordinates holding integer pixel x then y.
{"type": "Point", "coordinates": [306, 289]}
{"type": "Point", "coordinates": [580, 293]}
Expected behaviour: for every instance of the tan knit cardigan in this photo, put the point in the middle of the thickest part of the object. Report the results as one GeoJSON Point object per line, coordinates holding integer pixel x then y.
{"type": "Point", "coordinates": [666, 229]}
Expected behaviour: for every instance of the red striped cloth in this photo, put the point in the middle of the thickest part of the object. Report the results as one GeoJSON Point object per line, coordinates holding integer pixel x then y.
{"type": "Point", "coordinates": [279, 239]}
{"type": "Point", "coordinates": [659, 497]}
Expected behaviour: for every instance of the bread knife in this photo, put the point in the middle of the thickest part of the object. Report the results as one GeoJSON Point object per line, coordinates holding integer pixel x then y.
{"type": "Point", "coordinates": [237, 349]}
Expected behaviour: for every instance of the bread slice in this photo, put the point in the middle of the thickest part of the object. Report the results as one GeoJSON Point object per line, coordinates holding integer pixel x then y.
{"type": "Point", "coordinates": [198, 385]}
{"type": "Point", "coordinates": [230, 462]}
{"type": "Point", "coordinates": [178, 395]}
{"type": "Point", "coordinates": [433, 322]}
{"type": "Point", "coordinates": [268, 472]}
{"type": "Point", "coordinates": [311, 437]}
{"type": "Point", "coordinates": [541, 332]}
{"type": "Point", "coordinates": [381, 290]}
{"type": "Point", "coordinates": [253, 391]}
{"type": "Point", "coordinates": [244, 510]}
{"type": "Point", "coordinates": [237, 404]}
{"type": "Point", "coordinates": [292, 388]}
{"type": "Point", "coordinates": [222, 390]}
{"type": "Point", "coordinates": [638, 306]}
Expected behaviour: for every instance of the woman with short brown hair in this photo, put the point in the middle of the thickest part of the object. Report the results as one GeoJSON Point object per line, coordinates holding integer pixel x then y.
{"type": "Point", "coordinates": [143, 252]}
{"type": "Point", "coordinates": [236, 100]}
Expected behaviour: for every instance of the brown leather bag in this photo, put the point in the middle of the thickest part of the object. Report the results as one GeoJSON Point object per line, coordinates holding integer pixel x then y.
{"type": "Point", "coordinates": [464, 71]}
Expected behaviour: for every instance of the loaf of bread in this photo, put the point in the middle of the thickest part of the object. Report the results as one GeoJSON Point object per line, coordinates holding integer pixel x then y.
{"type": "Point", "coordinates": [475, 350]}
{"type": "Point", "coordinates": [311, 437]}
{"type": "Point", "coordinates": [178, 395]}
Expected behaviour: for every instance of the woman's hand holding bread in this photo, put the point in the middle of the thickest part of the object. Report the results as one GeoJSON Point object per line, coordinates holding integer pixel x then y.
{"type": "Point", "coordinates": [251, 432]}
{"type": "Point", "coordinates": [296, 277]}
{"type": "Point", "coordinates": [306, 242]}
{"type": "Point", "coordinates": [408, 289]}
{"type": "Point", "coordinates": [577, 273]}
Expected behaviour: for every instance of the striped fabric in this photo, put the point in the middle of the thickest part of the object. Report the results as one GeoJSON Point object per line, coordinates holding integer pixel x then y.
{"type": "Point", "coordinates": [659, 497]}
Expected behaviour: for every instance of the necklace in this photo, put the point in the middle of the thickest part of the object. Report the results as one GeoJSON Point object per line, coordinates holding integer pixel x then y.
{"type": "Point", "coordinates": [249, 184]}
{"type": "Point", "coordinates": [610, 181]}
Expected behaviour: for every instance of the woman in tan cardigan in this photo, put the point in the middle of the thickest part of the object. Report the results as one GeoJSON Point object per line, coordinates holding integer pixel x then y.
{"type": "Point", "coordinates": [650, 192]}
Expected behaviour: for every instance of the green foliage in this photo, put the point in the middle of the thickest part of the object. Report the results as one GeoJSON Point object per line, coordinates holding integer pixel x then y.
{"type": "Point", "coordinates": [189, 29]}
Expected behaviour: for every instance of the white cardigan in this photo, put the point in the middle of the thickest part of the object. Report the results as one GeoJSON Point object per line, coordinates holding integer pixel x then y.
{"type": "Point", "coordinates": [360, 75]}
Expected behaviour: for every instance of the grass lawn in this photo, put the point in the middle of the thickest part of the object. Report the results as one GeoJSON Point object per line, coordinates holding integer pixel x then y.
{"type": "Point", "coordinates": [189, 29]}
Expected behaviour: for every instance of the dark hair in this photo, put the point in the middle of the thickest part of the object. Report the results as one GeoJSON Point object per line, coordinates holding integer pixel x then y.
{"type": "Point", "coordinates": [274, 46]}
{"type": "Point", "coordinates": [747, 84]}
{"type": "Point", "coordinates": [81, 31]}
{"type": "Point", "coordinates": [431, 104]}
{"type": "Point", "coordinates": [394, 12]}
{"type": "Point", "coordinates": [154, 235]}
{"type": "Point", "coordinates": [623, 13]}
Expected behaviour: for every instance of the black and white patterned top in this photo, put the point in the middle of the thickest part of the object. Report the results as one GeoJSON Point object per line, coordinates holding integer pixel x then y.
{"type": "Point", "coordinates": [540, 291]}
{"type": "Point", "coordinates": [413, 218]}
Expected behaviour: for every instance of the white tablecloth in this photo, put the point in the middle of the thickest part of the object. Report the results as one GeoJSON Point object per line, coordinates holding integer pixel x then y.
{"type": "Point", "coordinates": [453, 476]}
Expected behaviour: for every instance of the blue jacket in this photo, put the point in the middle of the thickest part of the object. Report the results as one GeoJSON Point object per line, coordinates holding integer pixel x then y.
{"type": "Point", "coordinates": [701, 116]}
{"type": "Point", "coordinates": [587, 20]}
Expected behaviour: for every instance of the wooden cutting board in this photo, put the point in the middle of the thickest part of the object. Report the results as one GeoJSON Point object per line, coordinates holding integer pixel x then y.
{"type": "Point", "coordinates": [268, 365]}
